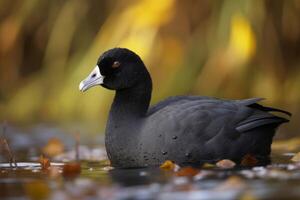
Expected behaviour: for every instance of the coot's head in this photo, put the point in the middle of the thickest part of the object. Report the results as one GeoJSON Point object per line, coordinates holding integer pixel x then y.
{"type": "Point", "coordinates": [116, 69]}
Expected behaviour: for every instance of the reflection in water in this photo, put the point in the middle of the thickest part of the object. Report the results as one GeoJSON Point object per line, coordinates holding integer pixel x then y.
{"type": "Point", "coordinates": [97, 180]}
{"type": "Point", "coordinates": [139, 176]}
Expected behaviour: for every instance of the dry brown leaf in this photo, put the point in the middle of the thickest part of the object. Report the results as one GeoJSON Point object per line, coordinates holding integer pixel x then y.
{"type": "Point", "coordinates": [187, 171]}
{"type": "Point", "coordinates": [45, 162]}
{"type": "Point", "coordinates": [249, 160]}
{"type": "Point", "coordinates": [168, 165]}
{"type": "Point", "coordinates": [296, 157]}
{"type": "Point", "coordinates": [54, 147]}
{"type": "Point", "coordinates": [225, 164]}
{"type": "Point", "coordinates": [71, 169]}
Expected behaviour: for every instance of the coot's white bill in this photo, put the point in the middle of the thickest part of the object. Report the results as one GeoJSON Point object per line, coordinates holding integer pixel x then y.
{"type": "Point", "coordinates": [95, 78]}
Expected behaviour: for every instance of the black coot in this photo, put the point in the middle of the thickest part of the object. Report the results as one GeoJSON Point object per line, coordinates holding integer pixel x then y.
{"type": "Point", "coordinates": [184, 129]}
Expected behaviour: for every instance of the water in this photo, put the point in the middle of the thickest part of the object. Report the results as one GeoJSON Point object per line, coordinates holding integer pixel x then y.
{"type": "Point", "coordinates": [99, 180]}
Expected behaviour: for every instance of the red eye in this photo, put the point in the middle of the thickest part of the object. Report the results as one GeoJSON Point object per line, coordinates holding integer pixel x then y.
{"type": "Point", "coordinates": [116, 64]}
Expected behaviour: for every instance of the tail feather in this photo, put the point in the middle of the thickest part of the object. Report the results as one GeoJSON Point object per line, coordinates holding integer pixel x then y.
{"type": "Point", "coordinates": [262, 117]}
{"type": "Point", "coordinates": [248, 125]}
{"type": "Point", "coordinates": [268, 109]}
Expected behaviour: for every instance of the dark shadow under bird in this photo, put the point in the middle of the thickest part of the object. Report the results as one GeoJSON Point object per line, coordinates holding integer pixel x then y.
{"type": "Point", "coordinates": [188, 130]}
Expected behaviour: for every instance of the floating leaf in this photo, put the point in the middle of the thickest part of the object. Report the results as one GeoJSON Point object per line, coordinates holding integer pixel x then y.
{"type": "Point", "coordinates": [249, 160]}
{"type": "Point", "coordinates": [168, 165]}
{"type": "Point", "coordinates": [45, 162]}
{"type": "Point", "coordinates": [296, 157]}
{"type": "Point", "coordinates": [225, 164]}
{"type": "Point", "coordinates": [187, 171]}
{"type": "Point", "coordinates": [71, 169]}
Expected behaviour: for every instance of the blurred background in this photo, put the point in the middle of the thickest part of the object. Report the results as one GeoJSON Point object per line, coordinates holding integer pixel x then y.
{"type": "Point", "coordinates": [227, 49]}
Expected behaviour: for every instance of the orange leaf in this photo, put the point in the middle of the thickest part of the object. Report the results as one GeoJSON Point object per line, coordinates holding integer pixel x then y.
{"type": "Point", "coordinates": [168, 165]}
{"type": "Point", "coordinates": [45, 162]}
{"type": "Point", "coordinates": [187, 171]}
{"type": "Point", "coordinates": [249, 160]}
{"type": "Point", "coordinates": [71, 169]}
{"type": "Point", "coordinates": [225, 164]}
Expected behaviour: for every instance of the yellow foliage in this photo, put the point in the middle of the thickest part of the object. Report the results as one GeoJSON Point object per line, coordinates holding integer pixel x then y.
{"type": "Point", "coordinates": [48, 47]}
{"type": "Point", "coordinates": [242, 42]}
{"type": "Point", "coordinates": [26, 101]}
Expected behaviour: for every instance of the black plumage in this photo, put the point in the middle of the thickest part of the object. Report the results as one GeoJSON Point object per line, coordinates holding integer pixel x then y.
{"type": "Point", "coordinates": [185, 129]}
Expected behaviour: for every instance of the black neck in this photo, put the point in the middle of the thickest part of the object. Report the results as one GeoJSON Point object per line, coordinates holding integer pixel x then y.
{"type": "Point", "coordinates": [132, 103]}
